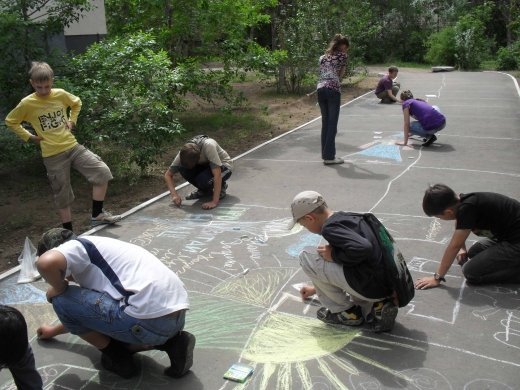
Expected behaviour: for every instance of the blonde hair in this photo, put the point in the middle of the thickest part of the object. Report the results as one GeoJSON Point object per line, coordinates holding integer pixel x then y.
{"type": "Point", "coordinates": [40, 71]}
{"type": "Point", "coordinates": [336, 42]}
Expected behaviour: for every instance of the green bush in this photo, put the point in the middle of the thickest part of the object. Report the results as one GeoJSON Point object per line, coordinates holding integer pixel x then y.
{"type": "Point", "coordinates": [471, 44]}
{"type": "Point", "coordinates": [13, 151]}
{"type": "Point", "coordinates": [128, 92]}
{"type": "Point", "coordinates": [441, 47]}
{"type": "Point", "coordinates": [508, 58]}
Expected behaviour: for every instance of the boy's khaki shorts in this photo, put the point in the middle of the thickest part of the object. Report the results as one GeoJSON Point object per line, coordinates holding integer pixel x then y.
{"type": "Point", "coordinates": [81, 159]}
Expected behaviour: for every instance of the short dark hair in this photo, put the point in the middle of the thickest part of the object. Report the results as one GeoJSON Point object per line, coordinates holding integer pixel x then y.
{"type": "Point", "coordinates": [393, 69]}
{"type": "Point", "coordinates": [13, 335]}
{"type": "Point", "coordinates": [437, 198]}
{"type": "Point", "coordinates": [405, 95]}
{"type": "Point", "coordinates": [189, 155]}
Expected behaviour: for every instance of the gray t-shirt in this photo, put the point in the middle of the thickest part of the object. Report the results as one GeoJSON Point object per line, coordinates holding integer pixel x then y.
{"type": "Point", "coordinates": [211, 153]}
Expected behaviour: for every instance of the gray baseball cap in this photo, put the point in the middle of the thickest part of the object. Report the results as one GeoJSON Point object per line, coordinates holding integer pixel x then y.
{"type": "Point", "coordinates": [304, 203]}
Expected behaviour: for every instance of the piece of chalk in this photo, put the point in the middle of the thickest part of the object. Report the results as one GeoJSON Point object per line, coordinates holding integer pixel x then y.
{"type": "Point", "coordinates": [378, 132]}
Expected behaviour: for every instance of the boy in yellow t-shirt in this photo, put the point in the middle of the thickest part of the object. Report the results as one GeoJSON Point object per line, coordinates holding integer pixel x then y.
{"type": "Point", "coordinates": [46, 111]}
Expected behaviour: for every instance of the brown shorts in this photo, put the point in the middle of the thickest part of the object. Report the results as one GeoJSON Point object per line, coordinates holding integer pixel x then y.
{"type": "Point", "coordinates": [81, 159]}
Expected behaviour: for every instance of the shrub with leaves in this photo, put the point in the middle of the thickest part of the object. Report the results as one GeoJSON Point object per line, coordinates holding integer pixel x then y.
{"type": "Point", "coordinates": [508, 58]}
{"type": "Point", "coordinates": [129, 93]}
{"type": "Point", "coordinates": [471, 44]}
{"type": "Point", "coordinates": [441, 47]}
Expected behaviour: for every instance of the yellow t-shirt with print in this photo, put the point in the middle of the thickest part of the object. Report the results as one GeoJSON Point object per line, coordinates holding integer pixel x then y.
{"type": "Point", "coordinates": [48, 116]}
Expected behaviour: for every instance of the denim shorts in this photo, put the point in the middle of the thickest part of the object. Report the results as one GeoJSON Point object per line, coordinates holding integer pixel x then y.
{"type": "Point", "coordinates": [82, 310]}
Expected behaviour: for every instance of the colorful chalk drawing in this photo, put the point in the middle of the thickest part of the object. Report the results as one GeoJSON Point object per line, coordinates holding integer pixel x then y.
{"type": "Point", "coordinates": [243, 304]}
{"type": "Point", "coordinates": [306, 240]}
{"type": "Point", "coordinates": [19, 294]}
{"type": "Point", "coordinates": [388, 151]}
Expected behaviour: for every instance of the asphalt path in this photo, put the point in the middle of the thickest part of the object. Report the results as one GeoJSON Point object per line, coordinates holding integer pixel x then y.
{"type": "Point", "coordinates": [239, 262]}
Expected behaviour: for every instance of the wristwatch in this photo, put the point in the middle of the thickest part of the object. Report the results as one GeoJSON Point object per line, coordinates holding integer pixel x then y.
{"type": "Point", "coordinates": [438, 277]}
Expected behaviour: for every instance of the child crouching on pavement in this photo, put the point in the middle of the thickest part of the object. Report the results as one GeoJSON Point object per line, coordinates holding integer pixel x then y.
{"type": "Point", "coordinates": [347, 273]}
{"type": "Point", "coordinates": [15, 351]}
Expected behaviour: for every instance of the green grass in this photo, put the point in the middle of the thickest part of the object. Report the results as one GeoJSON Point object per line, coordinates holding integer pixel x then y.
{"type": "Point", "coordinates": [230, 128]}
{"type": "Point", "coordinates": [488, 65]}
{"type": "Point", "coordinates": [404, 64]}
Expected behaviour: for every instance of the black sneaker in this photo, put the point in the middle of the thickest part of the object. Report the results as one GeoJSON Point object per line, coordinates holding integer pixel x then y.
{"type": "Point", "coordinates": [430, 140]}
{"type": "Point", "coordinates": [196, 194]}
{"type": "Point", "coordinates": [180, 351]}
{"type": "Point", "coordinates": [123, 366]}
{"type": "Point", "coordinates": [388, 101]}
{"type": "Point", "coordinates": [385, 313]}
{"type": "Point", "coordinates": [350, 317]}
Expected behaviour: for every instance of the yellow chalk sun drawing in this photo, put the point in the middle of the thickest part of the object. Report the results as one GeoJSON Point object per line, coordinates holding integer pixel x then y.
{"type": "Point", "coordinates": [287, 350]}
{"type": "Point", "coordinates": [274, 340]}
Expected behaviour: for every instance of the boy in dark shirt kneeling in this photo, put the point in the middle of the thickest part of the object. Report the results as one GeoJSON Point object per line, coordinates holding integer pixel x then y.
{"type": "Point", "coordinates": [493, 259]}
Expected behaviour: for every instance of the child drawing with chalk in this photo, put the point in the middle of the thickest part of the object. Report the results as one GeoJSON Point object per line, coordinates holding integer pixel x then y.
{"type": "Point", "coordinates": [428, 119]}
{"type": "Point", "coordinates": [495, 258]}
{"type": "Point", "coordinates": [347, 273]}
{"type": "Point", "coordinates": [15, 351]}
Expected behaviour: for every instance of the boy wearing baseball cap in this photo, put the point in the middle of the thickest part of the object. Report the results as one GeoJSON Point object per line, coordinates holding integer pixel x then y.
{"type": "Point", "coordinates": [347, 273]}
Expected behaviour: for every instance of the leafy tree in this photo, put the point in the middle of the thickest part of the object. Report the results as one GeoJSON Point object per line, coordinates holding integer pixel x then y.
{"type": "Point", "coordinates": [128, 89]}
{"type": "Point", "coordinates": [25, 27]}
{"type": "Point", "coordinates": [302, 30]}
{"type": "Point", "coordinates": [441, 47]}
{"type": "Point", "coordinates": [508, 58]}
{"type": "Point", "coordinates": [471, 44]}
{"type": "Point", "coordinates": [186, 28]}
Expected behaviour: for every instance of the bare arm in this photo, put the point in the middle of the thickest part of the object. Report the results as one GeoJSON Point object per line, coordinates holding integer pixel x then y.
{"type": "Point", "coordinates": [170, 183]}
{"type": "Point", "coordinates": [52, 266]}
{"type": "Point", "coordinates": [457, 242]}
{"type": "Point", "coordinates": [391, 94]}
{"type": "Point", "coordinates": [46, 332]}
{"type": "Point", "coordinates": [217, 186]}
{"type": "Point", "coordinates": [406, 126]}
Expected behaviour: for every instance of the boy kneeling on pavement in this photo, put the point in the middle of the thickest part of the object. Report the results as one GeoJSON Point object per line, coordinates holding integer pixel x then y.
{"type": "Point", "coordinates": [347, 273]}
{"type": "Point", "coordinates": [125, 301]}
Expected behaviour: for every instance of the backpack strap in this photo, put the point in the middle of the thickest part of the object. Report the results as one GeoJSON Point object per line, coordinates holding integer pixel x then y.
{"type": "Point", "coordinates": [99, 261]}
{"type": "Point", "coordinates": [198, 139]}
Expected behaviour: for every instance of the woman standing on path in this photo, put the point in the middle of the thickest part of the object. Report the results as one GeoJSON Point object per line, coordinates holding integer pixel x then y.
{"type": "Point", "coordinates": [332, 69]}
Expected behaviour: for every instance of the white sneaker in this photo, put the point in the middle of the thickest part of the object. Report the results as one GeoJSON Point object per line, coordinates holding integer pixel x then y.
{"type": "Point", "coordinates": [105, 218]}
{"type": "Point", "coordinates": [337, 160]}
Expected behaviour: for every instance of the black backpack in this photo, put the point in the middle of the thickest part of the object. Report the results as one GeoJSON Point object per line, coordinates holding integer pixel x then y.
{"type": "Point", "coordinates": [198, 139]}
{"type": "Point", "coordinates": [397, 274]}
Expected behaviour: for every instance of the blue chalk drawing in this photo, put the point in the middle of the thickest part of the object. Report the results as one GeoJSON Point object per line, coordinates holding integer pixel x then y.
{"type": "Point", "coordinates": [21, 293]}
{"type": "Point", "coordinates": [305, 241]}
{"type": "Point", "coordinates": [383, 151]}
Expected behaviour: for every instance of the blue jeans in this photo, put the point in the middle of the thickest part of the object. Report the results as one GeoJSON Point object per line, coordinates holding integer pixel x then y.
{"type": "Point", "coordinates": [201, 176]}
{"type": "Point", "coordinates": [82, 310]}
{"type": "Point", "coordinates": [417, 129]}
{"type": "Point", "coordinates": [329, 101]}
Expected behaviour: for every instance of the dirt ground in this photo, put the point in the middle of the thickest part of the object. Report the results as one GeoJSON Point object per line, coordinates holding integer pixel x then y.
{"type": "Point", "coordinates": [26, 207]}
